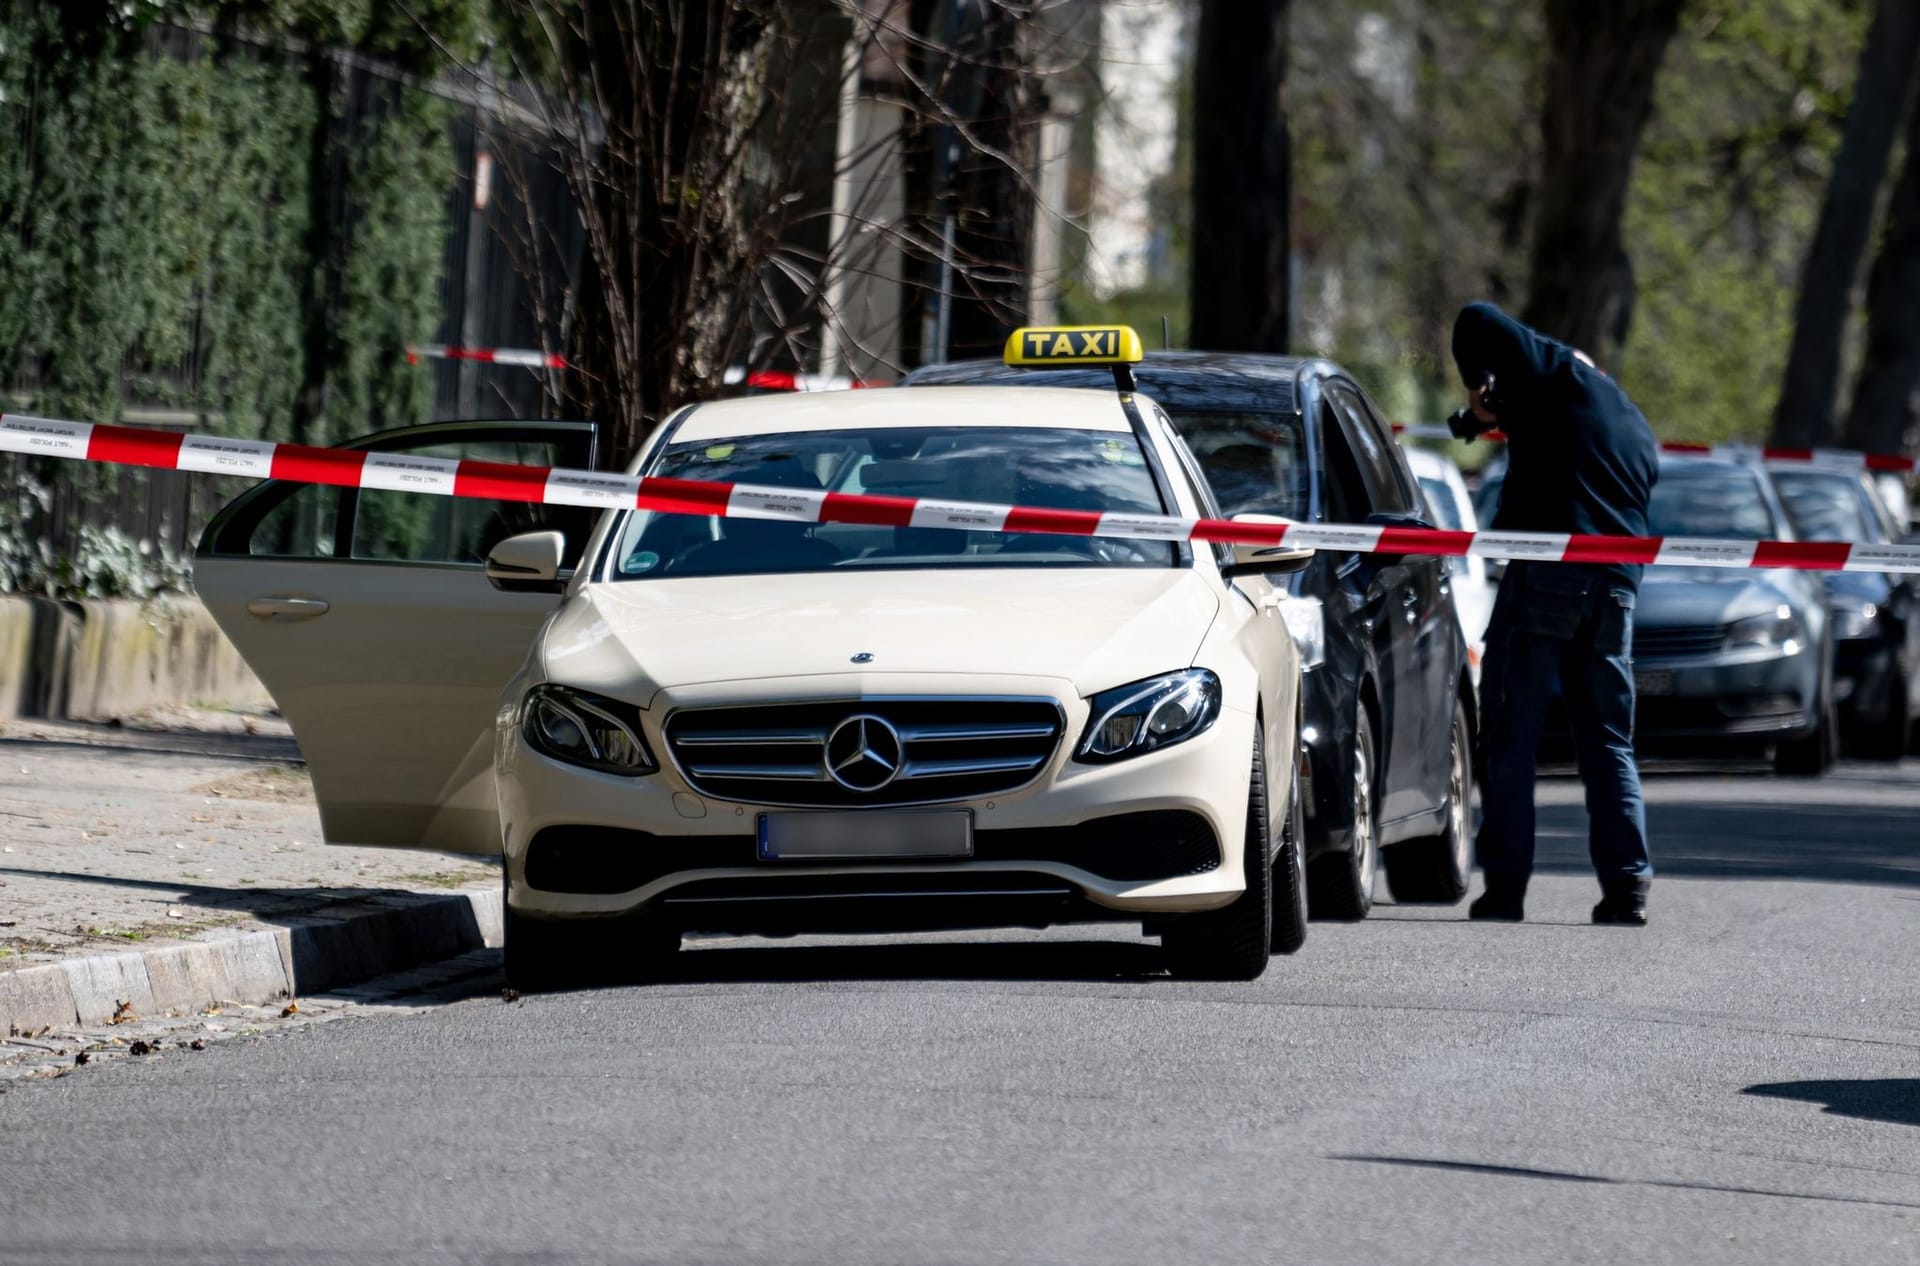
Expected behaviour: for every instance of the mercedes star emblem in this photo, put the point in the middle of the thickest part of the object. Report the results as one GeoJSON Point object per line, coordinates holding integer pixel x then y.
{"type": "Point", "coordinates": [863, 753]}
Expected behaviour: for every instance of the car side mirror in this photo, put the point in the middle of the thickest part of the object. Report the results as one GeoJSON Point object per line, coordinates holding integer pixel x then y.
{"type": "Point", "coordinates": [528, 563]}
{"type": "Point", "coordinates": [1265, 560]}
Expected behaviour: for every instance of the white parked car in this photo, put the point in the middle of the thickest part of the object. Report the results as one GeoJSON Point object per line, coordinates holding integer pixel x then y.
{"type": "Point", "coordinates": [1452, 506]}
{"type": "Point", "coordinates": [762, 725]}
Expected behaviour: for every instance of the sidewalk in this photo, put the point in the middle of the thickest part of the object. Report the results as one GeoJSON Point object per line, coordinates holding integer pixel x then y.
{"type": "Point", "coordinates": [175, 860]}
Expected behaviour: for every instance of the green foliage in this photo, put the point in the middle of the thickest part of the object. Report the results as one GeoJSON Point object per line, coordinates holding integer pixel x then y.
{"type": "Point", "coordinates": [104, 563]}
{"type": "Point", "coordinates": [157, 230]}
{"type": "Point", "coordinates": [399, 176]}
{"type": "Point", "coordinates": [1747, 119]}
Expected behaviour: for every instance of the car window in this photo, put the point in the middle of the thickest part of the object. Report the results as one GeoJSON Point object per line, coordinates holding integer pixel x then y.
{"type": "Point", "coordinates": [1344, 492]}
{"type": "Point", "coordinates": [391, 526]}
{"type": "Point", "coordinates": [1709, 500]}
{"type": "Point", "coordinates": [1043, 467]}
{"type": "Point", "coordinates": [1824, 507]}
{"type": "Point", "coordinates": [1254, 463]}
{"type": "Point", "coordinates": [1445, 510]}
{"type": "Point", "coordinates": [282, 519]}
{"type": "Point", "coordinates": [1389, 487]}
{"type": "Point", "coordinates": [303, 525]}
{"type": "Point", "coordinates": [1195, 482]}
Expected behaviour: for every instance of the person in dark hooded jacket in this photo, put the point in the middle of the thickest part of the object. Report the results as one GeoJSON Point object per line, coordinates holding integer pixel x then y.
{"type": "Point", "coordinates": [1580, 459]}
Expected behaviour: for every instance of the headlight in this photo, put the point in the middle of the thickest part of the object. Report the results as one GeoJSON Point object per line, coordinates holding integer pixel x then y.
{"type": "Point", "coordinates": [1779, 631]}
{"type": "Point", "coordinates": [1855, 619]}
{"type": "Point", "coordinates": [1149, 715]}
{"type": "Point", "coordinates": [1307, 621]}
{"type": "Point", "coordinates": [583, 729]}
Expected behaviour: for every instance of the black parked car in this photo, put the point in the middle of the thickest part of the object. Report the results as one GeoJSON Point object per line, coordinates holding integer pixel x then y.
{"type": "Point", "coordinates": [1390, 708]}
{"type": "Point", "coordinates": [1876, 615]}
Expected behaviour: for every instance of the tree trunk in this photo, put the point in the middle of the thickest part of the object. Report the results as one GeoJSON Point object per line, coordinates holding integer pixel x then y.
{"type": "Point", "coordinates": [1241, 178]}
{"type": "Point", "coordinates": [1883, 419]}
{"type": "Point", "coordinates": [1806, 410]}
{"type": "Point", "coordinates": [1602, 62]}
{"type": "Point", "coordinates": [994, 210]}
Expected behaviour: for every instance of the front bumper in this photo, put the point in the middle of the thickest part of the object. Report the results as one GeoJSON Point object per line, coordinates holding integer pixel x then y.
{"type": "Point", "coordinates": [659, 846]}
{"type": "Point", "coordinates": [1759, 699]}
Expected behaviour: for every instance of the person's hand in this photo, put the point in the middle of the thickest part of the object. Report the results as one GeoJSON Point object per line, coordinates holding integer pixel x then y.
{"type": "Point", "coordinates": [1476, 401]}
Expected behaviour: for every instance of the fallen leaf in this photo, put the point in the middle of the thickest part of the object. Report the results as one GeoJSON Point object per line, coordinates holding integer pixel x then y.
{"type": "Point", "coordinates": [142, 1047]}
{"type": "Point", "coordinates": [292, 1008]}
{"type": "Point", "coordinates": [82, 1058]}
{"type": "Point", "coordinates": [509, 994]}
{"type": "Point", "coordinates": [123, 1014]}
{"type": "Point", "coordinates": [196, 1045]}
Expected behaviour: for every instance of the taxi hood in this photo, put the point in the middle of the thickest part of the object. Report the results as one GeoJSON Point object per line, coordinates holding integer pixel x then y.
{"type": "Point", "coordinates": [1093, 627]}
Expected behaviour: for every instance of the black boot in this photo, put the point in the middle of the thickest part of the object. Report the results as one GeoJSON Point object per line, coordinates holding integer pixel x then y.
{"type": "Point", "coordinates": [1498, 905]}
{"type": "Point", "coordinates": [1625, 906]}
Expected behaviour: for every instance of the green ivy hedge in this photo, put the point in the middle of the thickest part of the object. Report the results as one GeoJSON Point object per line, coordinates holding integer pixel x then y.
{"type": "Point", "coordinates": [160, 206]}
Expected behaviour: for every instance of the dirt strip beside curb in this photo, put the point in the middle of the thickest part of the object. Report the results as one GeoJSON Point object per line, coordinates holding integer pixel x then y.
{"type": "Point", "coordinates": [346, 946]}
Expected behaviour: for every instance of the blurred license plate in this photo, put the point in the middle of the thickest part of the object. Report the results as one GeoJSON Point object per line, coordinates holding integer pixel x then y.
{"type": "Point", "coordinates": [839, 836]}
{"type": "Point", "coordinates": [1658, 681]}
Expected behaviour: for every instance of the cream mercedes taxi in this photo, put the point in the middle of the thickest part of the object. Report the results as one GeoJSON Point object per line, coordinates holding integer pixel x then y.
{"type": "Point", "coordinates": [751, 723]}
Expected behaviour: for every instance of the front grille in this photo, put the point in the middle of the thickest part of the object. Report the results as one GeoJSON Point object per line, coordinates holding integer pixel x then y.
{"type": "Point", "coordinates": [1683, 642]}
{"type": "Point", "coordinates": [947, 749]}
{"type": "Point", "coordinates": [1157, 844]}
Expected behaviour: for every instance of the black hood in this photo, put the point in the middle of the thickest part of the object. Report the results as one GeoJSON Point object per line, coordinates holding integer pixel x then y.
{"type": "Point", "coordinates": [1522, 362]}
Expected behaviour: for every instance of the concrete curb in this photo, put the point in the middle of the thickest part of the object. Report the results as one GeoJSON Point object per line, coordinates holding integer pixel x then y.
{"type": "Point", "coordinates": [349, 945]}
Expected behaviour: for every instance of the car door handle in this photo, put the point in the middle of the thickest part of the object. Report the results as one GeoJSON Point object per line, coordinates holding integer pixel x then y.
{"type": "Point", "coordinates": [286, 607]}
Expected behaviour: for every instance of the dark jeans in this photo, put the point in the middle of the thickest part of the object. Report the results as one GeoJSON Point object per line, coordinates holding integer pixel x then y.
{"type": "Point", "coordinates": [1553, 621]}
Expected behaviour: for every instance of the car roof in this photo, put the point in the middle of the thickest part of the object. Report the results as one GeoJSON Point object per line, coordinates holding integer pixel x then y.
{"type": "Point", "coordinates": [878, 407]}
{"type": "Point", "coordinates": [1178, 381]}
{"type": "Point", "coordinates": [1701, 464]}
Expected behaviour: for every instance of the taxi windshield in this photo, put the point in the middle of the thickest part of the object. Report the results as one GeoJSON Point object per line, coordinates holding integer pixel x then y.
{"type": "Point", "coordinates": [1051, 467]}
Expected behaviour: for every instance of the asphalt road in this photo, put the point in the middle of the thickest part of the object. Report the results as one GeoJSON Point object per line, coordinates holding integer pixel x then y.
{"type": "Point", "coordinates": [1739, 1082]}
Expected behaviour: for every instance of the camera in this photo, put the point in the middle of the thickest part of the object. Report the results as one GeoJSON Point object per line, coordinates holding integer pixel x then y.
{"type": "Point", "coordinates": [1463, 425]}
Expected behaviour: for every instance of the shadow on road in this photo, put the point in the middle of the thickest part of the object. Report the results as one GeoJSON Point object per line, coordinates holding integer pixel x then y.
{"type": "Point", "coordinates": [1847, 828]}
{"type": "Point", "coordinates": [1894, 1099]}
{"type": "Point", "coordinates": [1557, 1175]}
{"type": "Point", "coordinates": [777, 963]}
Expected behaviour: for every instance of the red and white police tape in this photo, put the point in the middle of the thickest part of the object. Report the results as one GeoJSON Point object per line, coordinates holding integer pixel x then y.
{"type": "Point", "coordinates": [787, 380]}
{"type": "Point", "coordinates": [526, 356]}
{"type": "Point", "coordinates": [263, 459]}
{"type": "Point", "coordinates": [1829, 458]}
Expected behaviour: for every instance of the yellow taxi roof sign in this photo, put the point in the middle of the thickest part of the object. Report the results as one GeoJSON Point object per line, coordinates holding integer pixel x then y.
{"type": "Point", "coordinates": [1052, 345]}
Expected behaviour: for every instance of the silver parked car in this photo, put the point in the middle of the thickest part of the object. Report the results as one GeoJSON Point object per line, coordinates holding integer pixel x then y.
{"type": "Point", "coordinates": [1732, 659]}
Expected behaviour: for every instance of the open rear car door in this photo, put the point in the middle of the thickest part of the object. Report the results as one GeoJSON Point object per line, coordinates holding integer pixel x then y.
{"type": "Point", "coordinates": [368, 616]}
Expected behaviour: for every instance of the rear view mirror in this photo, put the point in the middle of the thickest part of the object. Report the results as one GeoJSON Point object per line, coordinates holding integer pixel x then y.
{"type": "Point", "coordinates": [1265, 560]}
{"type": "Point", "coordinates": [528, 563]}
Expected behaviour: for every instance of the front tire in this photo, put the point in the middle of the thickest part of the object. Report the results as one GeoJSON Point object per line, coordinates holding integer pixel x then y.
{"type": "Point", "coordinates": [1814, 755]}
{"type": "Point", "coordinates": [1290, 869]}
{"type": "Point", "coordinates": [1437, 869]}
{"type": "Point", "coordinates": [1340, 885]}
{"type": "Point", "coordinates": [543, 955]}
{"type": "Point", "coordinates": [1232, 943]}
{"type": "Point", "coordinates": [1887, 740]}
